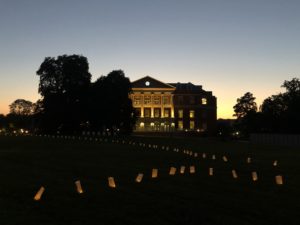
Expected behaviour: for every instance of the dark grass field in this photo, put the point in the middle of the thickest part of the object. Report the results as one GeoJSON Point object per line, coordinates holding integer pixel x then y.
{"type": "Point", "coordinates": [27, 163]}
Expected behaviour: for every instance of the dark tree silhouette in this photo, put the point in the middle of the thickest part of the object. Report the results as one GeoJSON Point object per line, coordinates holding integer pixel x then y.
{"type": "Point", "coordinates": [245, 105]}
{"type": "Point", "coordinates": [292, 97]}
{"type": "Point", "coordinates": [245, 111]}
{"type": "Point", "coordinates": [281, 112]}
{"type": "Point", "coordinates": [64, 85]}
{"type": "Point", "coordinates": [20, 117]}
{"type": "Point", "coordinates": [21, 107]}
{"type": "Point", "coordinates": [111, 108]}
{"type": "Point", "coordinates": [71, 103]}
{"type": "Point", "coordinates": [273, 108]}
{"type": "Point", "coordinates": [3, 123]}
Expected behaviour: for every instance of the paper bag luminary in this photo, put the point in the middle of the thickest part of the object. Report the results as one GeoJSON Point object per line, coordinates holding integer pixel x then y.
{"type": "Point", "coordinates": [234, 174]}
{"type": "Point", "coordinates": [111, 182]}
{"type": "Point", "coordinates": [39, 194]}
{"type": "Point", "coordinates": [154, 173]}
{"type": "Point", "coordinates": [172, 171]}
{"type": "Point", "coordinates": [78, 187]}
{"type": "Point", "coordinates": [139, 178]}
{"type": "Point", "coordinates": [211, 171]}
{"type": "Point", "coordinates": [182, 169]}
{"type": "Point", "coordinates": [192, 169]}
{"type": "Point", "coordinates": [279, 180]}
{"type": "Point", "coordinates": [254, 176]}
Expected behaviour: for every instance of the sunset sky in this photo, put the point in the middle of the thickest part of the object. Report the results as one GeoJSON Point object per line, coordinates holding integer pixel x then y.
{"type": "Point", "coordinates": [227, 46]}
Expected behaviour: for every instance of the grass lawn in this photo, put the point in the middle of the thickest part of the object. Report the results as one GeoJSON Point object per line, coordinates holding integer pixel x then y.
{"type": "Point", "coordinates": [27, 163]}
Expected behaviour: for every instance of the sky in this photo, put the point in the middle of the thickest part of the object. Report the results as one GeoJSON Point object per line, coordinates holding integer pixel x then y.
{"type": "Point", "coordinates": [229, 47]}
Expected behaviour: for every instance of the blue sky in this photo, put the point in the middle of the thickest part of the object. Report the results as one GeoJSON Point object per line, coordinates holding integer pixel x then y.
{"type": "Point", "coordinates": [228, 46]}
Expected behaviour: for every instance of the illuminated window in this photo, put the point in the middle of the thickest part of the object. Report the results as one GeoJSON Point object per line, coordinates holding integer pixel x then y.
{"type": "Point", "coordinates": [156, 100]}
{"type": "Point", "coordinates": [166, 100]}
{"type": "Point", "coordinates": [180, 113]}
{"type": "Point", "coordinates": [147, 99]}
{"type": "Point", "coordinates": [167, 112]}
{"type": "Point", "coordinates": [204, 101]}
{"type": "Point", "coordinates": [137, 100]}
{"type": "Point", "coordinates": [192, 125]}
{"type": "Point", "coordinates": [180, 125]}
{"type": "Point", "coordinates": [157, 112]}
{"type": "Point", "coordinates": [147, 112]}
{"type": "Point", "coordinates": [138, 112]}
{"type": "Point", "coordinates": [142, 124]}
{"type": "Point", "coordinates": [192, 114]}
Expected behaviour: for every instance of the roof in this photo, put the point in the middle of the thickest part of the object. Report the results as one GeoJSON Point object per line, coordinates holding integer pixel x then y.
{"type": "Point", "coordinates": [186, 86]}
{"type": "Point", "coordinates": [150, 82]}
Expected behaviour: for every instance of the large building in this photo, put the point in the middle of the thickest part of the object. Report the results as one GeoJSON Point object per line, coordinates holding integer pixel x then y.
{"type": "Point", "coordinates": [173, 106]}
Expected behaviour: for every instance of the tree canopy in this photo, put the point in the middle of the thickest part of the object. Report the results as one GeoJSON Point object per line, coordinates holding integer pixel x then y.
{"type": "Point", "coordinates": [278, 113]}
{"type": "Point", "coordinates": [71, 102]}
{"type": "Point", "coordinates": [281, 112]}
{"type": "Point", "coordinates": [245, 111]}
{"type": "Point", "coordinates": [245, 105]}
{"type": "Point", "coordinates": [21, 107]}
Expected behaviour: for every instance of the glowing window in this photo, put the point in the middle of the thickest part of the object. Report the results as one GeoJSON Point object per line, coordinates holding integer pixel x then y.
{"type": "Point", "coordinates": [147, 112]}
{"type": "Point", "coordinates": [156, 100]}
{"type": "Point", "coordinates": [156, 112]}
{"type": "Point", "coordinates": [192, 125]}
{"type": "Point", "coordinates": [180, 113]}
{"type": "Point", "coordinates": [147, 83]}
{"type": "Point", "coordinates": [180, 125]}
{"type": "Point", "coordinates": [166, 100]}
{"type": "Point", "coordinates": [192, 114]}
{"type": "Point", "coordinates": [167, 113]}
{"type": "Point", "coordinates": [142, 124]}
{"type": "Point", "coordinates": [137, 100]}
{"type": "Point", "coordinates": [204, 101]}
{"type": "Point", "coordinates": [147, 99]}
{"type": "Point", "coordinates": [138, 112]}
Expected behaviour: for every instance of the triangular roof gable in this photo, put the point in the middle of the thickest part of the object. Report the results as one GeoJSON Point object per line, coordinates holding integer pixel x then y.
{"type": "Point", "coordinates": [150, 82]}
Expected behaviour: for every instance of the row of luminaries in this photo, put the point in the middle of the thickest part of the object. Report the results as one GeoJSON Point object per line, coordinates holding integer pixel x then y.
{"type": "Point", "coordinates": [144, 145]}
{"type": "Point", "coordinates": [111, 182]}
{"type": "Point", "coordinates": [172, 172]}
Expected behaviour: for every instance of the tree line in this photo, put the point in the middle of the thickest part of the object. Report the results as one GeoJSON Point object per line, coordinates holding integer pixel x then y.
{"type": "Point", "coordinates": [70, 103]}
{"type": "Point", "coordinates": [278, 113]}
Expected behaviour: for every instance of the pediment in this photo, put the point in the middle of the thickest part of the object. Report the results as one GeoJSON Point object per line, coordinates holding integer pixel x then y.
{"type": "Point", "coordinates": [151, 83]}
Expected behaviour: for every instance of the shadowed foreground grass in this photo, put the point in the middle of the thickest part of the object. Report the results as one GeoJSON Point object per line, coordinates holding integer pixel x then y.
{"type": "Point", "coordinates": [27, 163]}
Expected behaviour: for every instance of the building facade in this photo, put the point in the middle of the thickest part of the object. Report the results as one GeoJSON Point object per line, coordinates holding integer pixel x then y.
{"type": "Point", "coordinates": [168, 107]}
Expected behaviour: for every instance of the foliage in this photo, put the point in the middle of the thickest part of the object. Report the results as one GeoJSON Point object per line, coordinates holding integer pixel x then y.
{"type": "Point", "coordinates": [245, 105]}
{"type": "Point", "coordinates": [71, 103]}
{"type": "Point", "coordinates": [114, 111]}
{"type": "Point", "coordinates": [64, 84]}
{"type": "Point", "coordinates": [281, 112]}
{"type": "Point", "coordinates": [245, 111]}
{"type": "Point", "coordinates": [278, 113]}
{"type": "Point", "coordinates": [21, 107]}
